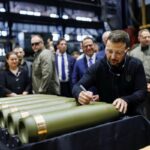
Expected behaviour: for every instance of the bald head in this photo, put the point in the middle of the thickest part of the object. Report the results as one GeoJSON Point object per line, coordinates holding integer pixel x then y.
{"type": "Point", "coordinates": [105, 36]}
{"type": "Point", "coordinates": [144, 37]}
{"type": "Point", "coordinates": [37, 43]}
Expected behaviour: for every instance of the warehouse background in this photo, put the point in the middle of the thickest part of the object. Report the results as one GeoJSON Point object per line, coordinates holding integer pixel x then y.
{"type": "Point", "coordinates": [73, 19]}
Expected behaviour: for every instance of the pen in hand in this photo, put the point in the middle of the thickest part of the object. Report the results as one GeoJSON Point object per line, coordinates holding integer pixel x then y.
{"type": "Point", "coordinates": [83, 88]}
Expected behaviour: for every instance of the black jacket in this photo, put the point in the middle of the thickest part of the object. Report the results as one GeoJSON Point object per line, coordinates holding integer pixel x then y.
{"type": "Point", "coordinates": [3, 91]}
{"type": "Point", "coordinates": [14, 83]}
{"type": "Point", "coordinates": [126, 81]}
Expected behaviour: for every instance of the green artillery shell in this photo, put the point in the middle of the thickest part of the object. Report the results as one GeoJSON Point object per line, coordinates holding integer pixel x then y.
{"type": "Point", "coordinates": [13, 118]}
{"type": "Point", "coordinates": [38, 127]}
{"type": "Point", "coordinates": [27, 105]}
{"type": "Point", "coordinates": [38, 96]}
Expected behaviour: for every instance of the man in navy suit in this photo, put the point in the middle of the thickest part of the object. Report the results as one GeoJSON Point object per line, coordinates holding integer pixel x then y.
{"type": "Point", "coordinates": [64, 65]}
{"type": "Point", "coordinates": [84, 63]}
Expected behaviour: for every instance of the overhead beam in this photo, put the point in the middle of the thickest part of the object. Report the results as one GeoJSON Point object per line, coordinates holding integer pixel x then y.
{"type": "Point", "coordinates": [65, 4]}
{"type": "Point", "coordinates": [13, 17]}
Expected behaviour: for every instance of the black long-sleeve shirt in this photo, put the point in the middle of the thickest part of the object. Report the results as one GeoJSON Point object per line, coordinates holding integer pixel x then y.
{"type": "Point", "coordinates": [3, 91]}
{"type": "Point", "coordinates": [14, 83]}
{"type": "Point", "coordinates": [126, 81]}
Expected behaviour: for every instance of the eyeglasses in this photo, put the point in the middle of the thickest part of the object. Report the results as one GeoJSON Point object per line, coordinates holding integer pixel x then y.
{"type": "Point", "coordinates": [36, 43]}
{"type": "Point", "coordinates": [117, 53]}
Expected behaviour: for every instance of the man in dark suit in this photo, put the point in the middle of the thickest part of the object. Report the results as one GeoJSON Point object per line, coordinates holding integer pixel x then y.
{"type": "Point", "coordinates": [85, 62]}
{"type": "Point", "coordinates": [64, 65]}
{"type": "Point", "coordinates": [119, 78]}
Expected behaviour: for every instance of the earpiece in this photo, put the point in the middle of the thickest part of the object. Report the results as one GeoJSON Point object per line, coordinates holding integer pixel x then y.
{"type": "Point", "coordinates": [124, 60]}
{"type": "Point", "coordinates": [118, 75]}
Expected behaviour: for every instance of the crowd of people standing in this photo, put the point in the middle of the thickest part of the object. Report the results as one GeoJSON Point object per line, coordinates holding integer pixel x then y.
{"type": "Point", "coordinates": [116, 75]}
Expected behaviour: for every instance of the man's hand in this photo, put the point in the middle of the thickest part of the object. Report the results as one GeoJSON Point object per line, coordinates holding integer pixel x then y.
{"type": "Point", "coordinates": [95, 97]}
{"type": "Point", "coordinates": [85, 97]}
{"type": "Point", "coordinates": [121, 105]}
{"type": "Point", "coordinates": [11, 95]}
{"type": "Point", "coordinates": [25, 93]}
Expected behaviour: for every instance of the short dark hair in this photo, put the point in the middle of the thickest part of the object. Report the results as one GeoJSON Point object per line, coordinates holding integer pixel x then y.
{"type": "Point", "coordinates": [119, 36]}
{"type": "Point", "coordinates": [60, 39]}
{"type": "Point", "coordinates": [17, 47]}
{"type": "Point", "coordinates": [88, 37]}
{"type": "Point", "coordinates": [7, 57]}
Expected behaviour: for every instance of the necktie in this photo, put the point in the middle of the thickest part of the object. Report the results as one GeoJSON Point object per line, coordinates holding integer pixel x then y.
{"type": "Point", "coordinates": [63, 68]}
{"type": "Point", "coordinates": [90, 62]}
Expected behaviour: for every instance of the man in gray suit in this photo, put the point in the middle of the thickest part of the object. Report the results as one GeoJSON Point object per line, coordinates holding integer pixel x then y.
{"type": "Point", "coordinates": [142, 52]}
{"type": "Point", "coordinates": [44, 75]}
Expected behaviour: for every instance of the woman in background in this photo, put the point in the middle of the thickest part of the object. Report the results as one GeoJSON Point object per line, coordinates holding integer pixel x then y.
{"type": "Point", "coordinates": [14, 79]}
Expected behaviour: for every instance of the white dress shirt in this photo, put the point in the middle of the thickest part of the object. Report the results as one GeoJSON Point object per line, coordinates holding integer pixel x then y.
{"type": "Point", "coordinates": [59, 56]}
{"type": "Point", "coordinates": [93, 59]}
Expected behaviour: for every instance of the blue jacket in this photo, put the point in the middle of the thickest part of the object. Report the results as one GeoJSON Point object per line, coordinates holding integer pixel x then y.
{"type": "Point", "coordinates": [79, 70]}
{"type": "Point", "coordinates": [101, 54]}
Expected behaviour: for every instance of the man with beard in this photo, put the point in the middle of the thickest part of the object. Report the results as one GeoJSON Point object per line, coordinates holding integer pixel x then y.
{"type": "Point", "coordinates": [142, 52]}
{"type": "Point", "coordinates": [119, 79]}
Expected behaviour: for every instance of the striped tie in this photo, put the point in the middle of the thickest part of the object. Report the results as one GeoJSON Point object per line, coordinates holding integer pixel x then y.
{"type": "Point", "coordinates": [90, 62]}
